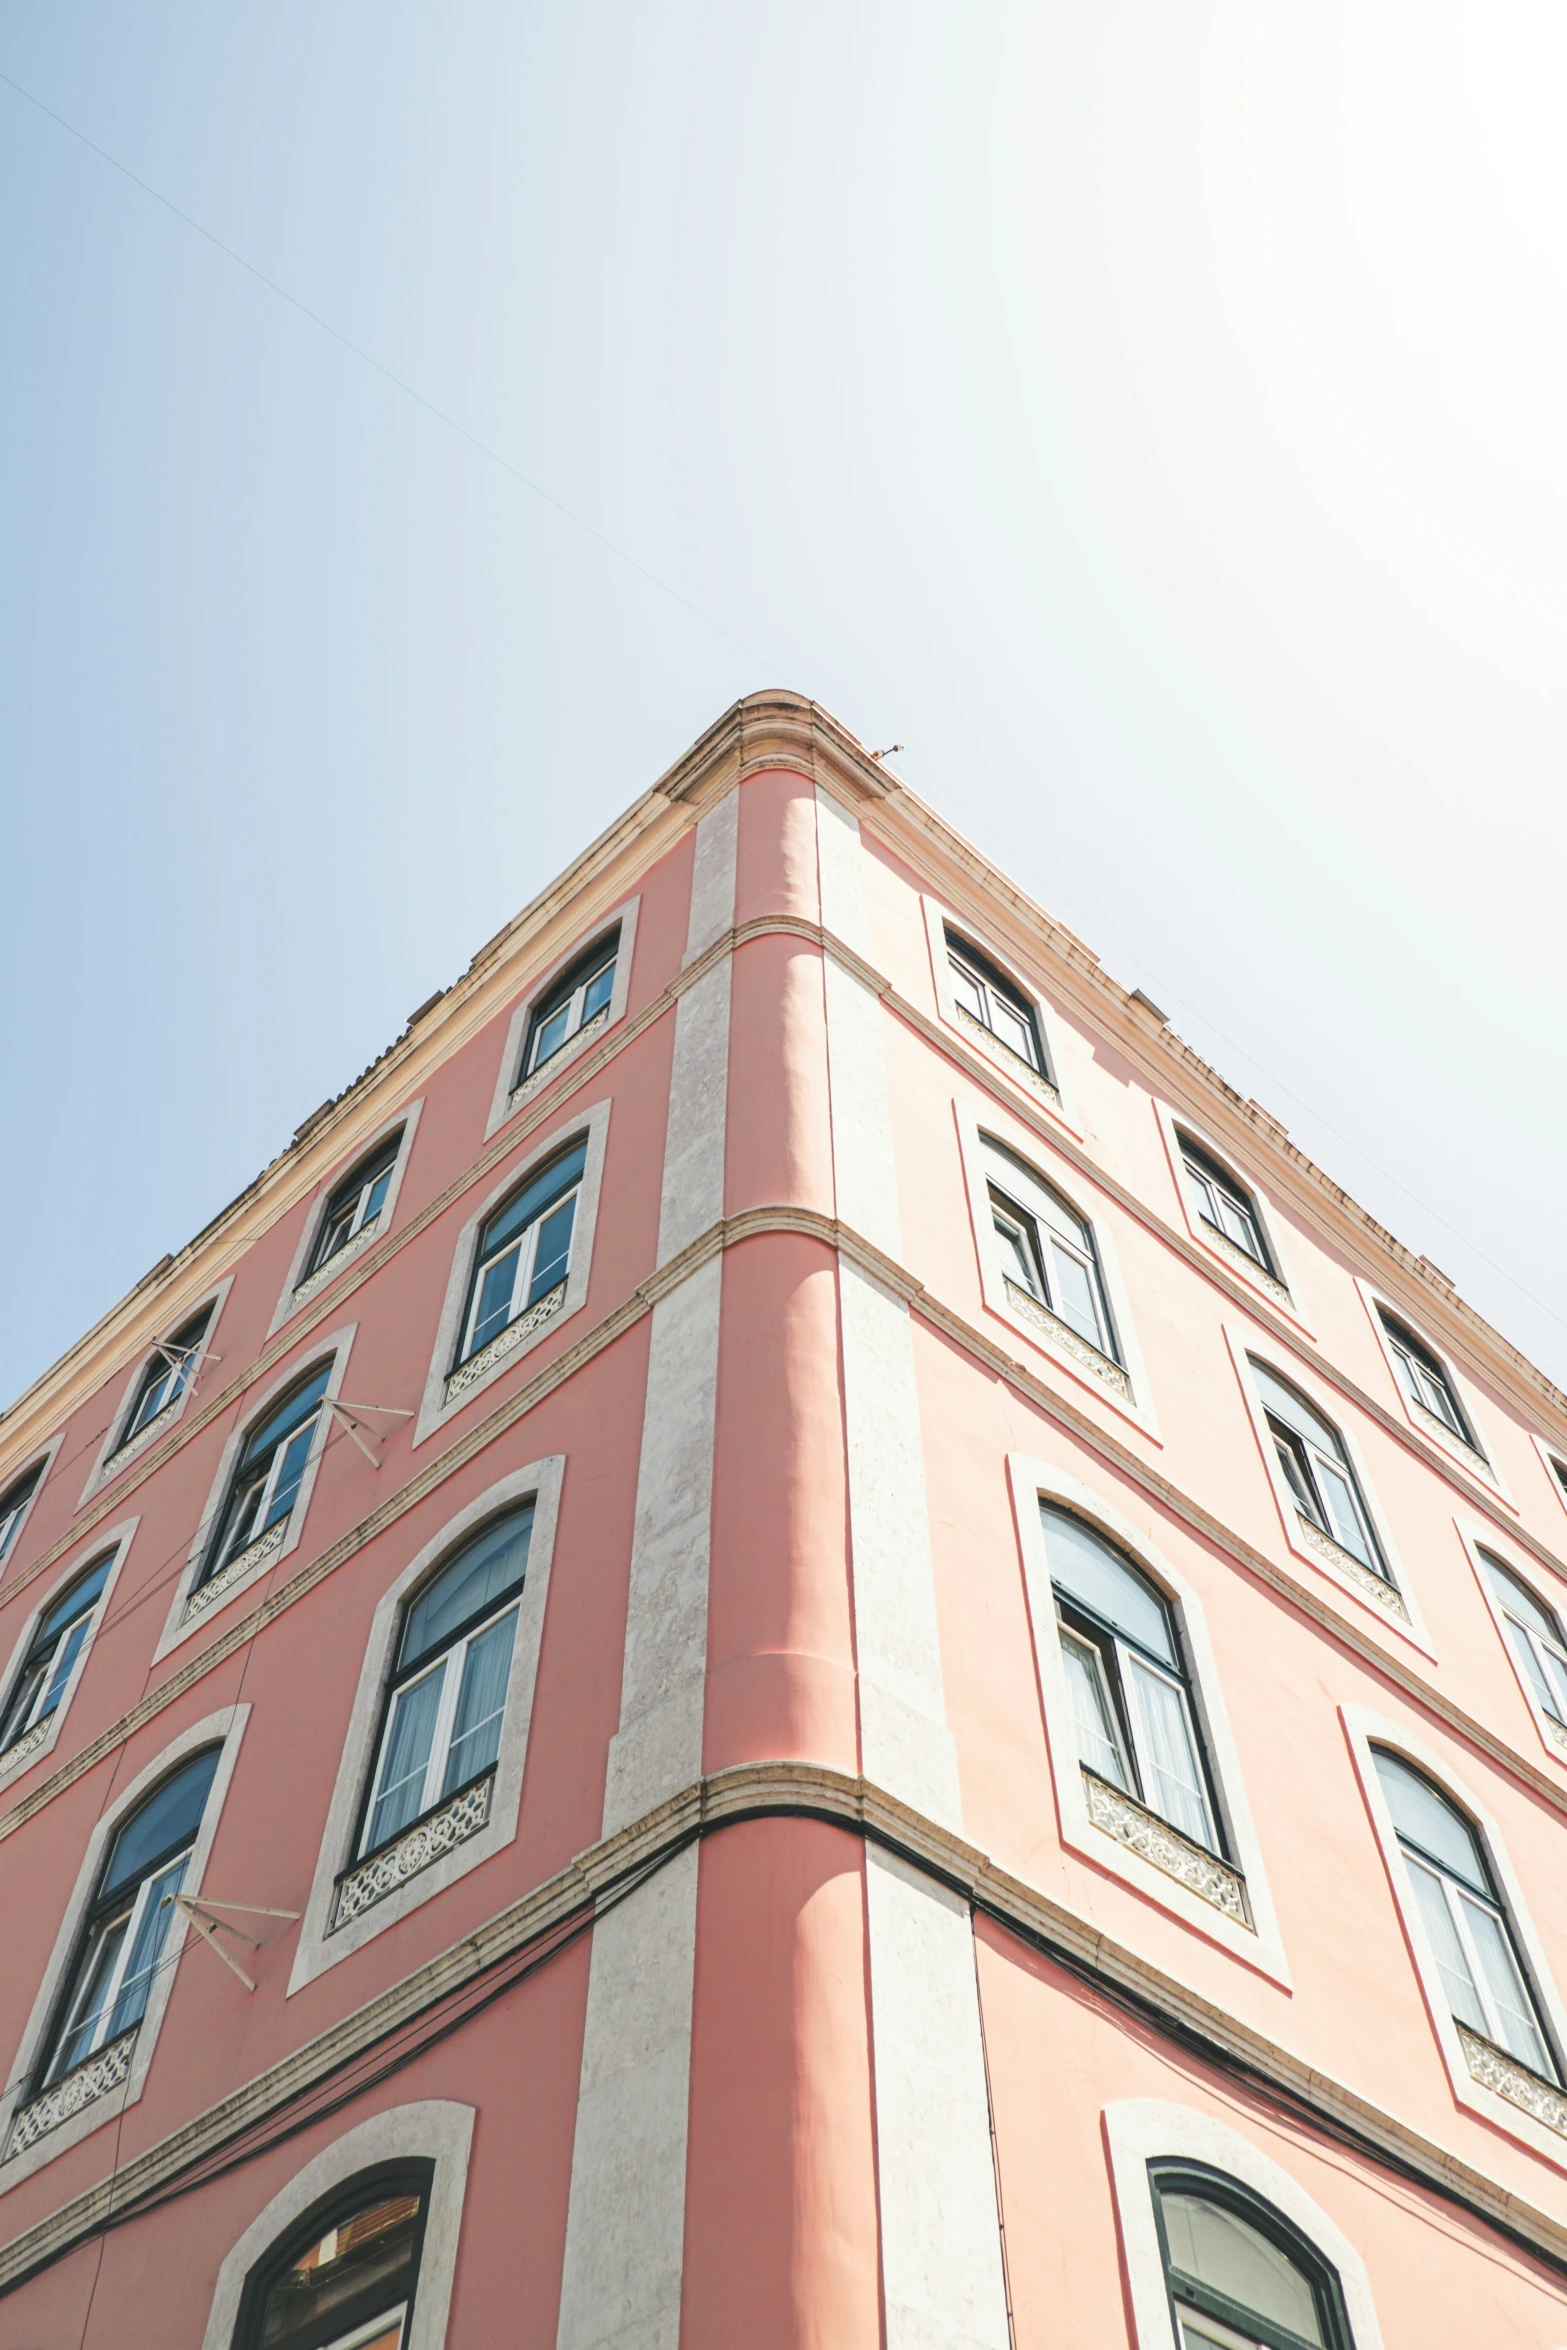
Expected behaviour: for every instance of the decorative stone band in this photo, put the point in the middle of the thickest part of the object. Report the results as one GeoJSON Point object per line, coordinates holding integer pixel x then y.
{"type": "Point", "coordinates": [359, 1889]}
{"type": "Point", "coordinates": [144, 1436]}
{"type": "Point", "coordinates": [1004, 1058]}
{"type": "Point", "coordinates": [1247, 1263]}
{"type": "Point", "coordinates": [335, 1263]}
{"type": "Point", "coordinates": [542, 1310]}
{"type": "Point", "coordinates": [1366, 1579]}
{"type": "Point", "coordinates": [1494, 2069]}
{"type": "Point", "coordinates": [1153, 1839]}
{"type": "Point", "coordinates": [27, 1744]}
{"type": "Point", "coordinates": [84, 2087]}
{"type": "Point", "coordinates": [553, 1066]}
{"type": "Point", "coordinates": [1067, 1339]}
{"type": "Point", "coordinates": [209, 1593]}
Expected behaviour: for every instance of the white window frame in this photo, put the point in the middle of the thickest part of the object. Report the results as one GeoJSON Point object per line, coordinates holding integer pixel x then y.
{"type": "Point", "coordinates": [117, 1538]}
{"type": "Point", "coordinates": [1143, 2130]}
{"type": "Point", "coordinates": [526, 1244]}
{"type": "Point", "coordinates": [1477, 1539]}
{"type": "Point", "coordinates": [1406, 1618]}
{"type": "Point", "coordinates": [1550, 1454]}
{"type": "Point", "coordinates": [298, 1285]}
{"type": "Point", "coordinates": [318, 1947]}
{"type": "Point", "coordinates": [1048, 1091]}
{"type": "Point", "coordinates": [1474, 1459]}
{"type": "Point", "coordinates": [1260, 1945]}
{"type": "Point", "coordinates": [438, 2130]}
{"type": "Point", "coordinates": [1136, 1404]}
{"type": "Point", "coordinates": [225, 1728]}
{"type": "Point", "coordinates": [43, 1461]}
{"type": "Point", "coordinates": [118, 1448]}
{"type": "Point", "coordinates": [436, 1407]}
{"type": "Point", "coordinates": [513, 1090]}
{"type": "Point", "coordinates": [1366, 1729]}
{"type": "Point", "coordinates": [313, 1352]}
{"type": "Point", "coordinates": [1278, 1287]}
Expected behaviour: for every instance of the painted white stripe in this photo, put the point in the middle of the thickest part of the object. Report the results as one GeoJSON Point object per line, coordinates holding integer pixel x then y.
{"type": "Point", "coordinates": [713, 877]}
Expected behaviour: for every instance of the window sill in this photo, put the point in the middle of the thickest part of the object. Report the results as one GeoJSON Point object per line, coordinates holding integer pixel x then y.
{"type": "Point", "coordinates": [539, 1078]}
{"type": "Point", "coordinates": [1494, 2069]}
{"type": "Point", "coordinates": [1010, 1063]}
{"type": "Point", "coordinates": [1154, 1840]}
{"type": "Point", "coordinates": [334, 1264]}
{"type": "Point", "coordinates": [206, 1595]}
{"type": "Point", "coordinates": [1350, 1569]}
{"type": "Point", "coordinates": [29, 1742]}
{"type": "Point", "coordinates": [439, 1832]}
{"type": "Point", "coordinates": [1245, 1263]}
{"type": "Point", "coordinates": [143, 1437]}
{"type": "Point", "coordinates": [479, 1366]}
{"type": "Point", "coordinates": [101, 2074]}
{"type": "Point", "coordinates": [1064, 1336]}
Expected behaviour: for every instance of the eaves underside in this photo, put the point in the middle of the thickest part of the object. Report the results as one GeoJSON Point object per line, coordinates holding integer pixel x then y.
{"type": "Point", "coordinates": [767, 730]}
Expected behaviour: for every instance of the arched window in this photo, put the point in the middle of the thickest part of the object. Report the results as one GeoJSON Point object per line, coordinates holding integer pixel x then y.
{"type": "Point", "coordinates": [995, 1002]}
{"type": "Point", "coordinates": [167, 1375]}
{"type": "Point", "coordinates": [1427, 1381]}
{"type": "Point", "coordinates": [51, 1654]}
{"type": "Point", "coordinates": [128, 1919]}
{"type": "Point", "coordinates": [356, 1203]}
{"type": "Point", "coordinates": [1131, 1695]}
{"type": "Point", "coordinates": [1536, 1638]}
{"type": "Point", "coordinates": [344, 2278]}
{"type": "Point", "coordinates": [577, 1000]}
{"type": "Point", "coordinates": [1318, 1471]}
{"type": "Point", "coordinates": [1224, 1204]}
{"type": "Point", "coordinates": [13, 1506]}
{"type": "Point", "coordinates": [524, 1250]}
{"type": "Point", "coordinates": [1240, 2276]}
{"type": "Point", "coordinates": [1047, 1250]}
{"type": "Point", "coordinates": [1464, 1917]}
{"type": "Point", "coordinates": [447, 1699]}
{"type": "Point", "coordinates": [269, 1472]}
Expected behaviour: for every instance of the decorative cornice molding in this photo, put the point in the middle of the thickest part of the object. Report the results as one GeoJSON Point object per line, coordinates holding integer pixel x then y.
{"type": "Point", "coordinates": [755, 1792]}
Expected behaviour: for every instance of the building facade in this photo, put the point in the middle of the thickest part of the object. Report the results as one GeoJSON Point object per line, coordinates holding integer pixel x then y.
{"type": "Point", "coordinates": [791, 1641]}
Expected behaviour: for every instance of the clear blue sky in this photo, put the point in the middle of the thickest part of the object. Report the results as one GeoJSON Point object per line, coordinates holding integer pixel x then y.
{"type": "Point", "coordinates": [1150, 415]}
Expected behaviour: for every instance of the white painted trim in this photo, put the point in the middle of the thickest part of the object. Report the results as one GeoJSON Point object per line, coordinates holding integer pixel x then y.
{"type": "Point", "coordinates": [43, 1461]}
{"type": "Point", "coordinates": [510, 1095]}
{"type": "Point", "coordinates": [1476, 1464]}
{"type": "Point", "coordinates": [228, 1725]}
{"type": "Point", "coordinates": [108, 1464]}
{"type": "Point", "coordinates": [408, 1118]}
{"type": "Point", "coordinates": [1033, 1148]}
{"type": "Point", "coordinates": [435, 1410]}
{"type": "Point", "coordinates": [437, 2132]}
{"type": "Point", "coordinates": [1262, 1946]}
{"type": "Point", "coordinates": [319, 1949]}
{"type": "Point", "coordinates": [1361, 1727]}
{"type": "Point", "coordinates": [1548, 1452]}
{"type": "Point", "coordinates": [1172, 1125]}
{"type": "Point", "coordinates": [713, 877]}
{"type": "Point", "coordinates": [1144, 2130]}
{"type": "Point", "coordinates": [116, 1538]}
{"type": "Point", "coordinates": [175, 1629]}
{"type": "Point", "coordinates": [1476, 1537]}
{"type": "Point", "coordinates": [1330, 1406]}
{"type": "Point", "coordinates": [865, 1174]}
{"type": "Point", "coordinates": [1054, 1096]}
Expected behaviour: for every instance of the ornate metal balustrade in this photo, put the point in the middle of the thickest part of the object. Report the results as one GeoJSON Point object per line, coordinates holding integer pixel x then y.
{"type": "Point", "coordinates": [543, 1309]}
{"type": "Point", "coordinates": [335, 1263]}
{"type": "Point", "coordinates": [1006, 1059]}
{"type": "Point", "coordinates": [1366, 1579]}
{"type": "Point", "coordinates": [64, 2099]}
{"type": "Point", "coordinates": [1247, 1263]}
{"type": "Point", "coordinates": [361, 1887]}
{"type": "Point", "coordinates": [1153, 1839]}
{"type": "Point", "coordinates": [1091, 1358]}
{"type": "Point", "coordinates": [552, 1067]}
{"type": "Point", "coordinates": [27, 1744]}
{"type": "Point", "coordinates": [1494, 2069]}
{"type": "Point", "coordinates": [209, 1593]}
{"type": "Point", "coordinates": [147, 1434]}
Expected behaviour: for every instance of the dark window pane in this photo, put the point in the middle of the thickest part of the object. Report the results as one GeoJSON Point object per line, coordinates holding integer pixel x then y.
{"type": "Point", "coordinates": [168, 1819]}
{"type": "Point", "coordinates": [76, 1601]}
{"type": "Point", "coordinates": [486, 1568]}
{"type": "Point", "coordinates": [347, 2277]}
{"type": "Point", "coordinates": [1215, 2247]}
{"type": "Point", "coordinates": [518, 1213]}
{"type": "Point", "coordinates": [1089, 1571]}
{"type": "Point", "coordinates": [284, 1418]}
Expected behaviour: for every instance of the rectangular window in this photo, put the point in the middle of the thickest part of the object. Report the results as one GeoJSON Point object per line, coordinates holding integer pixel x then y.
{"type": "Point", "coordinates": [579, 997]}
{"type": "Point", "coordinates": [524, 1250]}
{"type": "Point", "coordinates": [167, 1375]}
{"type": "Point", "coordinates": [271, 1468]}
{"type": "Point", "coordinates": [356, 1203]}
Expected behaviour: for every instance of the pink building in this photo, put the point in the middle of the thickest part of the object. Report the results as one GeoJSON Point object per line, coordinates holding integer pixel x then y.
{"type": "Point", "coordinates": [791, 1641]}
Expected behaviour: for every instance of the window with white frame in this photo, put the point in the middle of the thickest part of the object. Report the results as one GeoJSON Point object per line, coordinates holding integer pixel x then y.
{"type": "Point", "coordinates": [51, 1655]}
{"type": "Point", "coordinates": [1223, 1203]}
{"type": "Point", "coordinates": [355, 1203]}
{"type": "Point", "coordinates": [267, 1476]}
{"type": "Point", "coordinates": [1558, 1466]}
{"type": "Point", "coordinates": [167, 1375]}
{"type": "Point", "coordinates": [344, 2276]}
{"type": "Point", "coordinates": [1426, 1381]}
{"type": "Point", "coordinates": [1240, 2276]}
{"type": "Point", "coordinates": [1318, 1471]}
{"type": "Point", "coordinates": [524, 1249]}
{"type": "Point", "coordinates": [1131, 1692]}
{"type": "Point", "coordinates": [577, 998]}
{"type": "Point", "coordinates": [447, 1698]}
{"type": "Point", "coordinates": [1047, 1249]}
{"type": "Point", "coordinates": [13, 1506]}
{"type": "Point", "coordinates": [1535, 1635]}
{"type": "Point", "coordinates": [1465, 1920]}
{"type": "Point", "coordinates": [989, 997]}
{"type": "Point", "coordinates": [128, 1920]}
